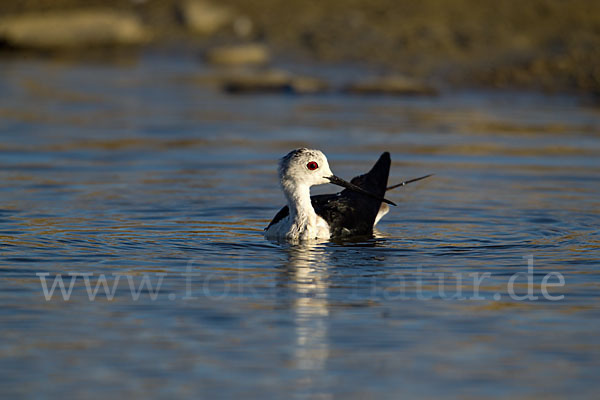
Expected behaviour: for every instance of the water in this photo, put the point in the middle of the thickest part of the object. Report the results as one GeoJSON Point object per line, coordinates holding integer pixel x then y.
{"type": "Point", "coordinates": [138, 171]}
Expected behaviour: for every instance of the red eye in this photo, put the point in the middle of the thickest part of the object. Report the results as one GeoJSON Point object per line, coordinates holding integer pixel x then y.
{"type": "Point", "coordinates": [312, 165]}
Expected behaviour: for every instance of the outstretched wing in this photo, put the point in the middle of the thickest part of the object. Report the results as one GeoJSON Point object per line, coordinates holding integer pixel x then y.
{"type": "Point", "coordinates": [352, 214]}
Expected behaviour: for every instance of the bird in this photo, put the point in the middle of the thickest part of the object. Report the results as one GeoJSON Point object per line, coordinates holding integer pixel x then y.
{"type": "Point", "coordinates": [351, 212]}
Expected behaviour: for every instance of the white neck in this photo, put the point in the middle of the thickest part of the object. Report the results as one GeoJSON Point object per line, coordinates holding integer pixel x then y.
{"type": "Point", "coordinates": [298, 197]}
{"type": "Point", "coordinates": [302, 214]}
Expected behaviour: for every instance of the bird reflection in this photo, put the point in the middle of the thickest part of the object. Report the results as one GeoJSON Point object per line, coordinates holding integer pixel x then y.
{"type": "Point", "coordinates": [306, 274]}
{"type": "Point", "coordinates": [305, 279]}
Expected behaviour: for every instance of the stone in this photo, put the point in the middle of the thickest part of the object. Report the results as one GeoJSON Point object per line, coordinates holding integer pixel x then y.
{"type": "Point", "coordinates": [243, 26]}
{"type": "Point", "coordinates": [269, 81]}
{"type": "Point", "coordinates": [71, 29]}
{"type": "Point", "coordinates": [307, 85]}
{"type": "Point", "coordinates": [391, 85]}
{"type": "Point", "coordinates": [243, 54]}
{"type": "Point", "coordinates": [203, 17]}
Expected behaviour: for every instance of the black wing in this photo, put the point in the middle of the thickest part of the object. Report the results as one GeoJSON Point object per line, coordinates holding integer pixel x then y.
{"type": "Point", "coordinates": [351, 213]}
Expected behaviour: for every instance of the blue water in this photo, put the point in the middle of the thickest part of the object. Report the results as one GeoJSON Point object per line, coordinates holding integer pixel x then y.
{"type": "Point", "coordinates": [146, 171]}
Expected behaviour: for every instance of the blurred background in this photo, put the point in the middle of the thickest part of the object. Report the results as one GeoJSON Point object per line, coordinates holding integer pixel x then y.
{"type": "Point", "coordinates": [548, 45]}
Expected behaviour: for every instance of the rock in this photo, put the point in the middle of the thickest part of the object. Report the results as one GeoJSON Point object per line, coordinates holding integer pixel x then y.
{"type": "Point", "coordinates": [245, 54]}
{"type": "Point", "coordinates": [243, 26]}
{"type": "Point", "coordinates": [393, 85]}
{"type": "Point", "coordinates": [203, 17]}
{"type": "Point", "coordinates": [307, 85]}
{"type": "Point", "coordinates": [71, 29]}
{"type": "Point", "coordinates": [272, 81]}
{"type": "Point", "coordinates": [263, 81]}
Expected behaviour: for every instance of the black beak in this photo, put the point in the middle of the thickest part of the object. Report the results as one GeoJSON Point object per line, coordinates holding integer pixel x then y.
{"type": "Point", "coordinates": [340, 182]}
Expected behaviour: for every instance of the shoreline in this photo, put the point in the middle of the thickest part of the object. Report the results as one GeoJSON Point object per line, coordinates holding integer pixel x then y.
{"type": "Point", "coordinates": [549, 46]}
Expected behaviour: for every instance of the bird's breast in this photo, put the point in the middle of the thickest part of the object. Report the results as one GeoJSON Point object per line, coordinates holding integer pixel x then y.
{"type": "Point", "coordinates": [304, 229]}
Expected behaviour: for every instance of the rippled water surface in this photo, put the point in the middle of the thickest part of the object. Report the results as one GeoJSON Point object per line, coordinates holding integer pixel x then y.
{"type": "Point", "coordinates": [147, 174]}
